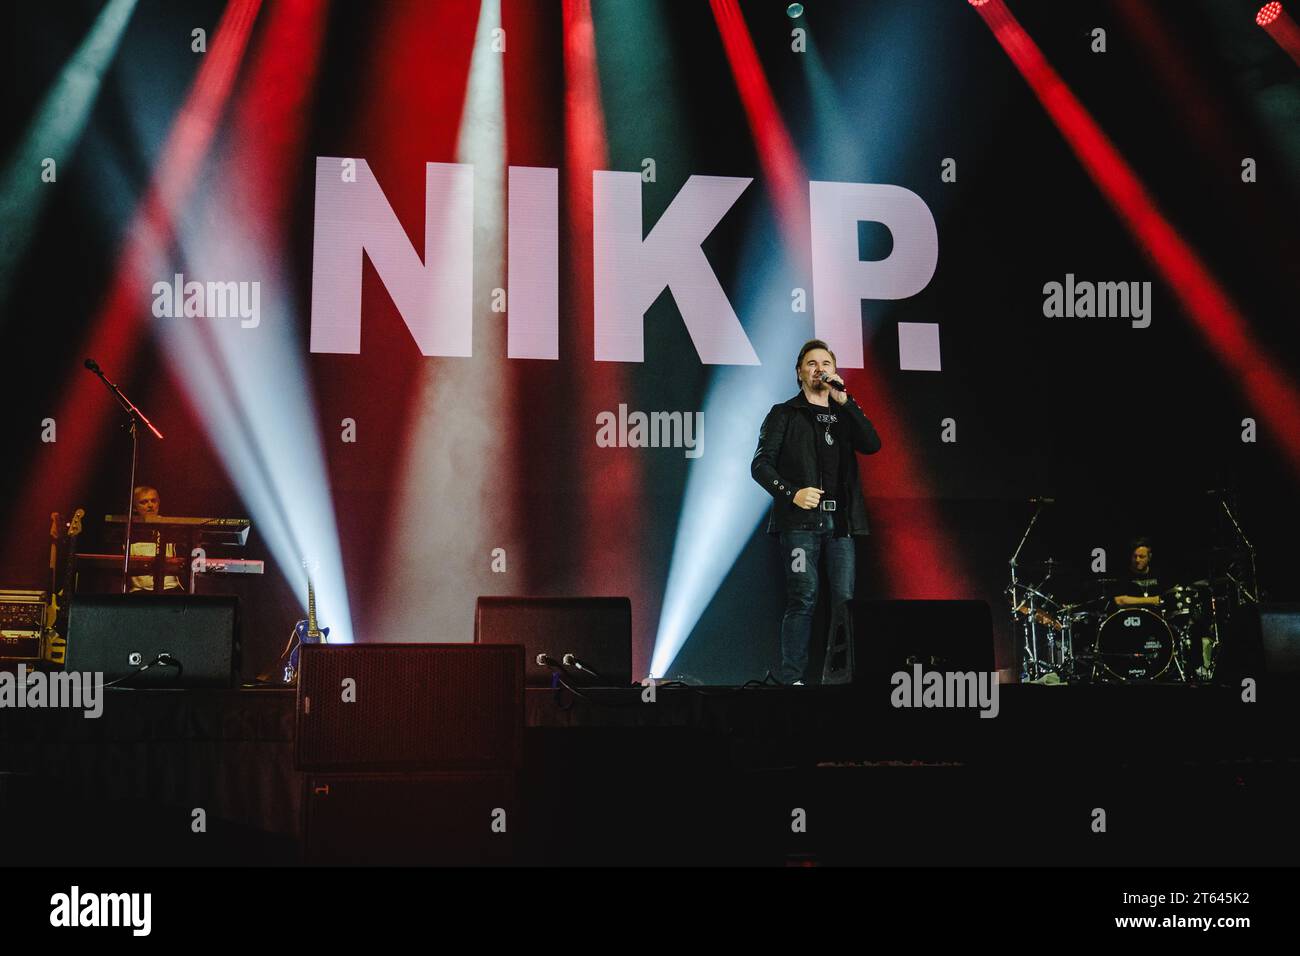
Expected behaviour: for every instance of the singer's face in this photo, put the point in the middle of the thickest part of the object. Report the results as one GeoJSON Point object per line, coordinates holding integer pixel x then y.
{"type": "Point", "coordinates": [146, 502]}
{"type": "Point", "coordinates": [814, 363]}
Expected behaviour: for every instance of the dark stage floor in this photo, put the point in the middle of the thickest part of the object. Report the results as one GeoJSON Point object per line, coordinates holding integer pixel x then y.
{"type": "Point", "coordinates": [1184, 775]}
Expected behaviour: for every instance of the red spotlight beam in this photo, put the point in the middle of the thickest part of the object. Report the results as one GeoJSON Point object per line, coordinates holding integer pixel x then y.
{"type": "Point", "coordinates": [782, 168]}
{"type": "Point", "coordinates": [1265, 386]}
{"type": "Point", "coordinates": [271, 114]}
{"type": "Point", "coordinates": [61, 467]}
{"type": "Point", "coordinates": [1204, 114]}
{"type": "Point", "coordinates": [1278, 24]}
{"type": "Point", "coordinates": [611, 477]}
{"type": "Point", "coordinates": [252, 182]}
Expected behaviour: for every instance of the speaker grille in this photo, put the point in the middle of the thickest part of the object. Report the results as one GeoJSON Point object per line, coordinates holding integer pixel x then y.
{"type": "Point", "coordinates": [109, 633]}
{"type": "Point", "coordinates": [388, 707]}
{"type": "Point", "coordinates": [597, 630]}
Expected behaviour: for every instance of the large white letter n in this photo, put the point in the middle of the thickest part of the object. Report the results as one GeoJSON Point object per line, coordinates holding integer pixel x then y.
{"type": "Point", "coordinates": [629, 272]}
{"type": "Point", "coordinates": [434, 297]}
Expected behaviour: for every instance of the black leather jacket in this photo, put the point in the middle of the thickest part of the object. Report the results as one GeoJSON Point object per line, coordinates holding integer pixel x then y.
{"type": "Point", "coordinates": [786, 460]}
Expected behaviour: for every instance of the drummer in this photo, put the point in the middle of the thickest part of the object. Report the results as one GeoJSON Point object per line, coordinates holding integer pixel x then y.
{"type": "Point", "coordinates": [1141, 587]}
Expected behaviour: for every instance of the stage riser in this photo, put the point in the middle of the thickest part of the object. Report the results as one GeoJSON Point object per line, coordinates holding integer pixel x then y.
{"type": "Point", "coordinates": [410, 819]}
{"type": "Point", "coordinates": [696, 778]}
{"type": "Point", "coordinates": [875, 816]}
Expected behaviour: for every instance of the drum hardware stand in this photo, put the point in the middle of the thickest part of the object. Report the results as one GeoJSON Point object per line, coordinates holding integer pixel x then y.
{"type": "Point", "coordinates": [1031, 664]}
{"type": "Point", "coordinates": [1069, 616]}
{"type": "Point", "coordinates": [1182, 643]}
{"type": "Point", "coordinates": [1184, 648]}
{"type": "Point", "coordinates": [1246, 592]}
{"type": "Point", "coordinates": [1032, 667]}
{"type": "Point", "coordinates": [1214, 640]}
{"type": "Point", "coordinates": [1252, 598]}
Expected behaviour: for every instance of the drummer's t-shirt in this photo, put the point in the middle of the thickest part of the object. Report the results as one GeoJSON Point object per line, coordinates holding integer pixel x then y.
{"type": "Point", "coordinates": [1144, 586]}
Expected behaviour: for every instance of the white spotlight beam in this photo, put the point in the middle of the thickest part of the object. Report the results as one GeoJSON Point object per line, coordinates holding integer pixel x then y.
{"type": "Point", "coordinates": [250, 388]}
{"type": "Point", "coordinates": [450, 513]}
{"type": "Point", "coordinates": [722, 504]}
{"type": "Point", "coordinates": [54, 133]}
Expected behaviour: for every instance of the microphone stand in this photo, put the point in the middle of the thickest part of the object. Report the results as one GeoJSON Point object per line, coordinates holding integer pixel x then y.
{"type": "Point", "coordinates": [135, 417]}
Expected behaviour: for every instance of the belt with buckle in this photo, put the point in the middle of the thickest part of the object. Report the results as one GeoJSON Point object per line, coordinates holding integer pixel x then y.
{"type": "Point", "coordinates": [828, 504]}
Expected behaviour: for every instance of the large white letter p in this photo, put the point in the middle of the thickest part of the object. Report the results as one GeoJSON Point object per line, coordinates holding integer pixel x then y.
{"type": "Point", "coordinates": [841, 280]}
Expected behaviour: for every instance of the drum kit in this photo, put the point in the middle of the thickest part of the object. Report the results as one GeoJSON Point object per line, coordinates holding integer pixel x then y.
{"type": "Point", "coordinates": [1071, 628]}
{"type": "Point", "coordinates": [1093, 639]}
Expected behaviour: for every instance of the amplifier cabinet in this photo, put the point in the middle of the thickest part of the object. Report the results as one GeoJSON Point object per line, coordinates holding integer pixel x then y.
{"type": "Point", "coordinates": [409, 707]}
{"type": "Point", "coordinates": [410, 819]}
{"type": "Point", "coordinates": [595, 630]}
{"type": "Point", "coordinates": [117, 634]}
{"type": "Point", "coordinates": [22, 624]}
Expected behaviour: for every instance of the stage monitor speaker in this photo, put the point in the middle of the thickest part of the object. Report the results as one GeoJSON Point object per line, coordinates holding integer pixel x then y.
{"type": "Point", "coordinates": [118, 634]}
{"type": "Point", "coordinates": [398, 819]}
{"type": "Point", "coordinates": [892, 636]}
{"type": "Point", "coordinates": [409, 707]}
{"type": "Point", "coordinates": [595, 630]}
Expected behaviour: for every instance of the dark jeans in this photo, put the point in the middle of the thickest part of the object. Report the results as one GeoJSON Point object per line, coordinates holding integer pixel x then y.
{"type": "Point", "coordinates": [801, 590]}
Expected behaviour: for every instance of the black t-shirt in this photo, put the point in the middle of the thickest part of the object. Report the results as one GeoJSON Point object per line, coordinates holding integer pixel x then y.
{"type": "Point", "coordinates": [1135, 584]}
{"type": "Point", "coordinates": [829, 426]}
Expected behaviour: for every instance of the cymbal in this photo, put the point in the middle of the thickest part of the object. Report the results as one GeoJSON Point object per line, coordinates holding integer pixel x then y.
{"type": "Point", "coordinates": [1045, 596]}
{"type": "Point", "coordinates": [1042, 563]}
{"type": "Point", "coordinates": [1078, 608]}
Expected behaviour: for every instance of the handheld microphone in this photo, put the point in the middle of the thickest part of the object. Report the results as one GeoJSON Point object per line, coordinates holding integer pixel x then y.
{"type": "Point", "coordinates": [833, 384]}
{"type": "Point", "coordinates": [546, 660]}
{"type": "Point", "coordinates": [1042, 501]}
{"type": "Point", "coordinates": [571, 661]}
{"type": "Point", "coordinates": [91, 364]}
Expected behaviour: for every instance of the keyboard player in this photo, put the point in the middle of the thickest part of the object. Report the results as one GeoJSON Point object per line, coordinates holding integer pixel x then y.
{"type": "Point", "coordinates": [144, 502]}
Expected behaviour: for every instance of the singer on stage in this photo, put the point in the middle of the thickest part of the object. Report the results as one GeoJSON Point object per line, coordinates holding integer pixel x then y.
{"type": "Point", "coordinates": [805, 462]}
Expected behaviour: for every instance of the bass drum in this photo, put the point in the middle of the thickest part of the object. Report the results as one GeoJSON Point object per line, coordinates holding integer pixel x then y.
{"type": "Point", "coordinates": [1135, 644]}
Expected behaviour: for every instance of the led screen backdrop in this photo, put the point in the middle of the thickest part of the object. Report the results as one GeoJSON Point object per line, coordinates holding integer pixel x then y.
{"type": "Point", "coordinates": [459, 298]}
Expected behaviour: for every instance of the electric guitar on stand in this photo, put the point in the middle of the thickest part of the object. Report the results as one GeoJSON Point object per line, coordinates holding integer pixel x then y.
{"type": "Point", "coordinates": [304, 632]}
{"type": "Point", "coordinates": [54, 643]}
